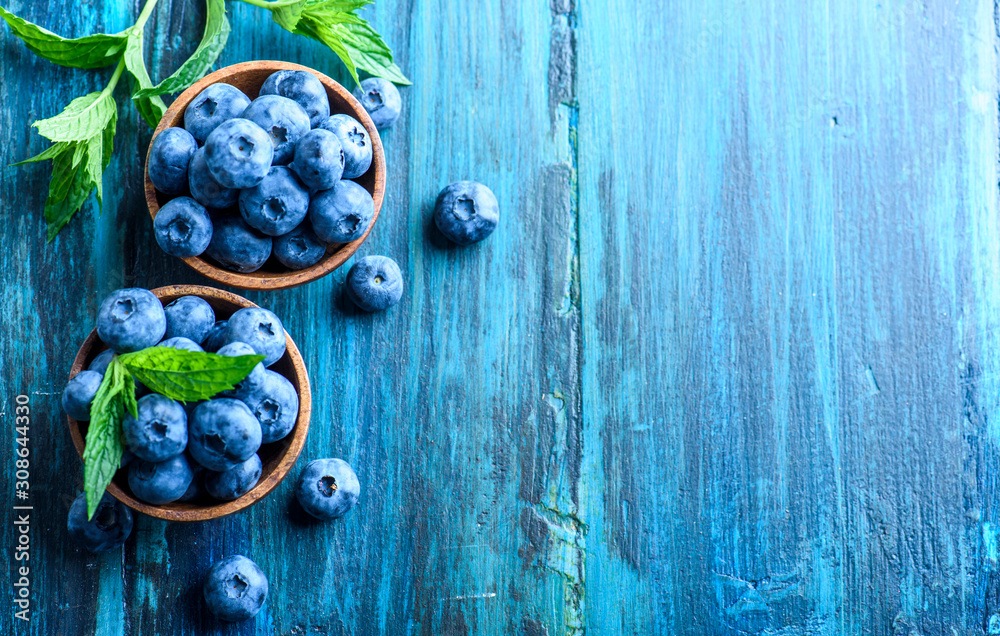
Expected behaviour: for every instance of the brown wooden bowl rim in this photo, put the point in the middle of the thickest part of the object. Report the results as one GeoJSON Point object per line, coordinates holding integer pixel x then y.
{"type": "Point", "coordinates": [264, 486]}
{"type": "Point", "coordinates": [331, 261]}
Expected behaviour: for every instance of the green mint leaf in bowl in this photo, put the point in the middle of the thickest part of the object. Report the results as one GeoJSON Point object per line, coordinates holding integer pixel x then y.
{"type": "Point", "coordinates": [103, 452]}
{"type": "Point", "coordinates": [188, 376]}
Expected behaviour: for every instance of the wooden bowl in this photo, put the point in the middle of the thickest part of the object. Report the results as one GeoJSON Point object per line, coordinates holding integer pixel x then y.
{"type": "Point", "coordinates": [277, 457]}
{"type": "Point", "coordinates": [248, 77]}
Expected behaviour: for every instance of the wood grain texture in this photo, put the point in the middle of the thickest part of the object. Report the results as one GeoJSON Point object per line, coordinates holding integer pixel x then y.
{"type": "Point", "coordinates": [727, 365]}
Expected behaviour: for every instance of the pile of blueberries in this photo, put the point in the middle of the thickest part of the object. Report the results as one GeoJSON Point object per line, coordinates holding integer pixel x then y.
{"type": "Point", "coordinates": [268, 176]}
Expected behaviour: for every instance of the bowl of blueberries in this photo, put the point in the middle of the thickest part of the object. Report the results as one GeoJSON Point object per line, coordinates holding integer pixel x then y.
{"type": "Point", "coordinates": [202, 460]}
{"type": "Point", "coordinates": [266, 175]}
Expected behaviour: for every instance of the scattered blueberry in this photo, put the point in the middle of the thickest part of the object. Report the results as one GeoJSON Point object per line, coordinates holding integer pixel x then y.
{"type": "Point", "coordinates": [276, 205]}
{"type": "Point", "coordinates": [159, 431]}
{"type": "Point", "coordinates": [260, 329]}
{"type": "Point", "coordinates": [281, 118]}
{"type": "Point", "coordinates": [180, 342]}
{"type": "Point", "coordinates": [109, 528]}
{"type": "Point", "coordinates": [235, 482]}
{"type": "Point", "coordinates": [342, 213]}
{"type": "Point", "coordinates": [216, 337]}
{"type": "Point", "coordinates": [274, 402]}
{"type": "Point", "coordinates": [381, 99]}
{"type": "Point", "coordinates": [222, 433]}
{"type": "Point", "coordinates": [354, 140]}
{"type": "Point", "coordinates": [183, 227]}
{"type": "Point", "coordinates": [237, 246]}
{"type": "Point", "coordinates": [169, 158]}
{"type": "Point", "coordinates": [319, 159]}
{"type": "Point", "coordinates": [79, 394]}
{"type": "Point", "coordinates": [189, 316]}
{"type": "Point", "coordinates": [302, 87]}
{"type": "Point", "coordinates": [327, 488]}
{"type": "Point", "coordinates": [235, 588]}
{"type": "Point", "coordinates": [101, 361]}
{"type": "Point", "coordinates": [466, 212]}
{"type": "Point", "coordinates": [214, 105]}
{"type": "Point", "coordinates": [238, 153]}
{"type": "Point", "coordinates": [375, 283]}
{"type": "Point", "coordinates": [160, 483]}
{"type": "Point", "coordinates": [300, 248]}
{"type": "Point", "coordinates": [130, 320]}
{"type": "Point", "coordinates": [205, 189]}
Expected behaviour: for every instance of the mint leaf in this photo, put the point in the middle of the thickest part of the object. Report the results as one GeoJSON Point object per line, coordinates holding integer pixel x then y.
{"type": "Point", "coordinates": [370, 52]}
{"type": "Point", "coordinates": [287, 17]}
{"type": "Point", "coordinates": [92, 51]}
{"type": "Point", "coordinates": [151, 107]}
{"type": "Point", "coordinates": [213, 40]}
{"type": "Point", "coordinates": [102, 453]}
{"type": "Point", "coordinates": [82, 119]}
{"type": "Point", "coordinates": [188, 376]}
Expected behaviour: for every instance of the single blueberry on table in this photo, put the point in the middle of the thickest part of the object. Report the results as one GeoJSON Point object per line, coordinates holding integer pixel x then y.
{"type": "Point", "coordinates": [108, 530]}
{"type": "Point", "coordinates": [274, 402]}
{"type": "Point", "coordinates": [354, 140]}
{"type": "Point", "coordinates": [342, 213]}
{"type": "Point", "coordinates": [238, 153]}
{"type": "Point", "coordinates": [281, 118]}
{"type": "Point", "coordinates": [237, 246]}
{"type": "Point", "coordinates": [300, 248]}
{"type": "Point", "coordinates": [381, 99]}
{"type": "Point", "coordinates": [235, 588]}
{"type": "Point", "coordinates": [276, 205]}
{"type": "Point", "coordinates": [101, 361]}
{"type": "Point", "coordinates": [205, 189]}
{"type": "Point", "coordinates": [130, 320]}
{"type": "Point", "coordinates": [79, 394]}
{"type": "Point", "coordinates": [214, 105]}
{"type": "Point", "coordinates": [159, 431]}
{"type": "Point", "coordinates": [190, 317]}
{"type": "Point", "coordinates": [160, 483]}
{"type": "Point", "coordinates": [319, 159]}
{"type": "Point", "coordinates": [327, 488]}
{"type": "Point", "coordinates": [261, 329]}
{"type": "Point", "coordinates": [169, 158]}
{"type": "Point", "coordinates": [466, 212]}
{"type": "Point", "coordinates": [183, 227]}
{"type": "Point", "coordinates": [235, 482]}
{"type": "Point", "coordinates": [255, 377]}
{"type": "Point", "coordinates": [222, 433]}
{"type": "Point", "coordinates": [302, 87]}
{"type": "Point", "coordinates": [375, 283]}
{"type": "Point", "coordinates": [180, 342]}
{"type": "Point", "coordinates": [216, 337]}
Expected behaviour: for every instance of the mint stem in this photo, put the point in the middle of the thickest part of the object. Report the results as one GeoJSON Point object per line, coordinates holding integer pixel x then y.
{"type": "Point", "coordinates": [110, 88]}
{"type": "Point", "coordinates": [147, 10]}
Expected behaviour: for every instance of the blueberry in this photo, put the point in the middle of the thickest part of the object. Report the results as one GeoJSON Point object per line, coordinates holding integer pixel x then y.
{"type": "Point", "coordinates": [216, 337]}
{"type": "Point", "coordinates": [101, 361]}
{"type": "Point", "coordinates": [79, 394]}
{"type": "Point", "coordinates": [354, 140]}
{"type": "Point", "coordinates": [342, 213]}
{"type": "Point", "coordinates": [466, 212]}
{"type": "Point", "coordinates": [160, 483]}
{"type": "Point", "coordinates": [183, 227]}
{"type": "Point", "coordinates": [327, 488]}
{"type": "Point", "coordinates": [255, 377]}
{"type": "Point", "coordinates": [197, 487]}
{"type": "Point", "coordinates": [180, 342]}
{"type": "Point", "coordinates": [169, 158]}
{"type": "Point", "coordinates": [300, 248]}
{"type": "Point", "coordinates": [189, 316]}
{"type": "Point", "coordinates": [127, 457]}
{"type": "Point", "coordinates": [260, 329]}
{"type": "Point", "coordinates": [302, 87]}
{"type": "Point", "coordinates": [130, 320]}
{"type": "Point", "coordinates": [238, 153]}
{"type": "Point", "coordinates": [275, 404]}
{"type": "Point", "coordinates": [235, 588]}
{"type": "Point", "coordinates": [237, 246]}
{"type": "Point", "coordinates": [222, 433]}
{"type": "Point", "coordinates": [205, 189]}
{"type": "Point", "coordinates": [281, 118]}
{"type": "Point", "coordinates": [381, 99]}
{"type": "Point", "coordinates": [212, 106]}
{"type": "Point", "coordinates": [319, 159]}
{"type": "Point", "coordinates": [235, 482]}
{"type": "Point", "coordinates": [375, 283]}
{"type": "Point", "coordinates": [159, 431]}
{"type": "Point", "coordinates": [276, 205]}
{"type": "Point", "coordinates": [109, 528]}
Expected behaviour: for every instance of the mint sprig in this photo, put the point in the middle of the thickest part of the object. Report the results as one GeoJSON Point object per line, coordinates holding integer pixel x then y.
{"type": "Point", "coordinates": [181, 375]}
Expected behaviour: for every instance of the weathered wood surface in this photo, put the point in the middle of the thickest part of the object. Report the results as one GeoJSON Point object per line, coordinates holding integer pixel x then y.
{"type": "Point", "coordinates": [728, 365]}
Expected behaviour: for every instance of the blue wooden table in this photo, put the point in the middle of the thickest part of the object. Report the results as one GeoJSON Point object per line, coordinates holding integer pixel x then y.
{"type": "Point", "coordinates": [729, 365]}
